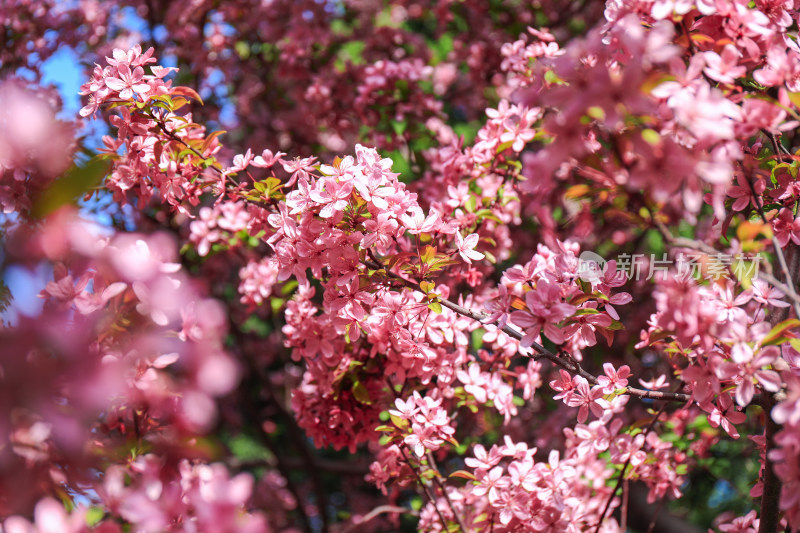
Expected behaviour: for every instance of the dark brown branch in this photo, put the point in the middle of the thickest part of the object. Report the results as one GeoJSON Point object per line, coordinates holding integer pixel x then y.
{"type": "Point", "coordinates": [655, 517]}
{"type": "Point", "coordinates": [769, 515]}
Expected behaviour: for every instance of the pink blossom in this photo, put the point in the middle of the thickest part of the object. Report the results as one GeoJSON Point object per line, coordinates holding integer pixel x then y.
{"type": "Point", "coordinates": [417, 223]}
{"type": "Point", "coordinates": [587, 399]}
{"type": "Point", "coordinates": [332, 195]}
{"type": "Point", "coordinates": [127, 82]}
{"type": "Point", "coordinates": [724, 68]}
{"type": "Point", "coordinates": [786, 227]}
{"type": "Point", "coordinates": [466, 247]}
{"type": "Point", "coordinates": [490, 482]}
{"type": "Point", "coordinates": [614, 379]}
{"type": "Point", "coordinates": [474, 382]}
{"type": "Point", "coordinates": [724, 414]}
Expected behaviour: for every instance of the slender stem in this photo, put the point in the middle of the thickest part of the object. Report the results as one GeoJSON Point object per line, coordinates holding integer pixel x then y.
{"type": "Point", "coordinates": [769, 515]}
{"type": "Point", "coordinates": [381, 509]}
{"type": "Point", "coordinates": [683, 242]}
{"type": "Point", "coordinates": [692, 244]}
{"type": "Point", "coordinates": [654, 518]}
{"type": "Point", "coordinates": [778, 253]}
{"type": "Point", "coordinates": [621, 476]}
{"type": "Point", "coordinates": [777, 147]}
{"type": "Point", "coordinates": [171, 134]}
{"type": "Point", "coordinates": [424, 487]}
{"type": "Point", "coordinates": [440, 485]}
{"type": "Point", "coordinates": [624, 513]}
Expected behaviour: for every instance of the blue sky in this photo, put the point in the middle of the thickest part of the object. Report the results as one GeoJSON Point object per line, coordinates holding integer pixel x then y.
{"type": "Point", "coordinates": [63, 70]}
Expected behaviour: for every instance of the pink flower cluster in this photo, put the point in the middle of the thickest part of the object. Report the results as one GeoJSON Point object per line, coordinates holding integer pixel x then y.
{"type": "Point", "coordinates": [152, 497]}
{"type": "Point", "coordinates": [605, 140]}
{"type": "Point", "coordinates": [124, 79]}
{"type": "Point", "coordinates": [35, 147]}
{"type": "Point", "coordinates": [158, 382]}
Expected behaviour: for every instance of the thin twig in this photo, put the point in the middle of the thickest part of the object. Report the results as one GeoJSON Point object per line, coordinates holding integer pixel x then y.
{"type": "Point", "coordinates": [778, 253]}
{"type": "Point", "coordinates": [654, 518]}
{"type": "Point", "coordinates": [621, 476]}
{"type": "Point", "coordinates": [683, 242]}
{"type": "Point", "coordinates": [777, 147]}
{"type": "Point", "coordinates": [441, 487]}
{"type": "Point", "coordinates": [381, 509]}
{"type": "Point", "coordinates": [424, 487]}
{"type": "Point", "coordinates": [624, 511]}
{"type": "Point", "coordinates": [692, 244]}
{"type": "Point", "coordinates": [772, 280]}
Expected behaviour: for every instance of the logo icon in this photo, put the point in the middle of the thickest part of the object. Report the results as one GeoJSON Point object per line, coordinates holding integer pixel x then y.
{"type": "Point", "coordinates": [591, 267]}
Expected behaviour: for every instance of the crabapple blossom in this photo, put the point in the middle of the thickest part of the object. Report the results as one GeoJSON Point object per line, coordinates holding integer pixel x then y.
{"type": "Point", "coordinates": [311, 278]}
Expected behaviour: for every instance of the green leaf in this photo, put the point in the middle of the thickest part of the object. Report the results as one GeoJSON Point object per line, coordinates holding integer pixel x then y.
{"type": "Point", "coordinates": [94, 515]}
{"type": "Point", "coordinates": [402, 423]}
{"type": "Point", "coordinates": [67, 189]}
{"type": "Point", "coordinates": [247, 448]}
{"type": "Point", "coordinates": [352, 52]}
{"type": "Point", "coordinates": [178, 102]}
{"type": "Point", "coordinates": [399, 126]}
{"type": "Point", "coordinates": [587, 311]}
{"type": "Point", "coordinates": [416, 503]}
{"type": "Point", "coordinates": [795, 98]}
{"type": "Point", "coordinates": [436, 307]}
{"type": "Point", "coordinates": [503, 147]}
{"type": "Point", "coordinates": [486, 213]}
{"type": "Point", "coordinates": [428, 254]}
{"type": "Point", "coordinates": [242, 49]}
{"type": "Point", "coordinates": [651, 137]}
{"type": "Point", "coordinates": [471, 204]}
{"type": "Point", "coordinates": [361, 393]}
{"type": "Point", "coordinates": [552, 77]}
{"type": "Point", "coordinates": [777, 332]}
{"type": "Point", "coordinates": [795, 343]}
{"type": "Point", "coordinates": [276, 304]}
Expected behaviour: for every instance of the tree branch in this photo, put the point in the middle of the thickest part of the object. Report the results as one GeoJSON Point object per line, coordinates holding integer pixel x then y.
{"type": "Point", "coordinates": [778, 253]}
{"type": "Point", "coordinates": [440, 485]}
{"type": "Point", "coordinates": [381, 509]}
{"type": "Point", "coordinates": [769, 514]}
{"type": "Point", "coordinates": [573, 367]}
{"type": "Point", "coordinates": [424, 488]}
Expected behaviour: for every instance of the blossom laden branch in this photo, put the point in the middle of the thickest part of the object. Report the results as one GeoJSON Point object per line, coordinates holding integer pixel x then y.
{"type": "Point", "coordinates": [571, 366]}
